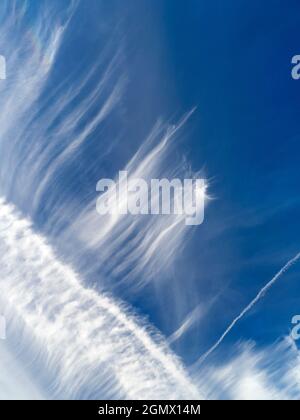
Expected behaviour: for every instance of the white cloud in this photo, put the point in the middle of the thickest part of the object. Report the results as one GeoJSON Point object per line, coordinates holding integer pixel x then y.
{"type": "Point", "coordinates": [94, 345]}
{"type": "Point", "coordinates": [14, 380]}
{"type": "Point", "coordinates": [272, 373]}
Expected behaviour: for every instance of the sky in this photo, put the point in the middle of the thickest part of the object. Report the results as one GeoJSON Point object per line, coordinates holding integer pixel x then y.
{"type": "Point", "coordinates": [160, 89]}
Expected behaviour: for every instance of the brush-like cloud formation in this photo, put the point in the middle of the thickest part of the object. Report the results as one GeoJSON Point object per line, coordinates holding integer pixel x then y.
{"type": "Point", "coordinates": [88, 344]}
{"type": "Point", "coordinates": [91, 342]}
{"type": "Point", "coordinates": [82, 343]}
{"type": "Point", "coordinates": [35, 141]}
{"type": "Point", "coordinates": [45, 131]}
{"type": "Point", "coordinates": [137, 248]}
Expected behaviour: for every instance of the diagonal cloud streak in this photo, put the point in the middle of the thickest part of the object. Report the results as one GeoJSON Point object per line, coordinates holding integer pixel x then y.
{"type": "Point", "coordinates": [86, 343]}
{"type": "Point", "coordinates": [94, 344]}
{"type": "Point", "coordinates": [259, 296]}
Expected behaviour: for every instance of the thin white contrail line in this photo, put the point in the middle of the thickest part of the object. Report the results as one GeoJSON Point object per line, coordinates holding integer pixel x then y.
{"type": "Point", "coordinates": [261, 294]}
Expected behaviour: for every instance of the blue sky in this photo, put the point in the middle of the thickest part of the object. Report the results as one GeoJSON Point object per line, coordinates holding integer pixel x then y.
{"type": "Point", "coordinates": [233, 62]}
{"type": "Point", "coordinates": [91, 80]}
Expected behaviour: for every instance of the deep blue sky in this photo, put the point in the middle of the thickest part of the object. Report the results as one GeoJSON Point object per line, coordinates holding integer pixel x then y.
{"type": "Point", "coordinates": [232, 60]}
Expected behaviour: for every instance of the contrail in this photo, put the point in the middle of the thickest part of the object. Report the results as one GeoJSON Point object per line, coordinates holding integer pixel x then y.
{"type": "Point", "coordinates": [88, 345]}
{"type": "Point", "coordinates": [261, 294]}
{"type": "Point", "coordinates": [93, 344]}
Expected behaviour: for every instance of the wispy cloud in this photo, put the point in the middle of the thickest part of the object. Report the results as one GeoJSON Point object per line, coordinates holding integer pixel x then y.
{"type": "Point", "coordinates": [134, 248]}
{"type": "Point", "coordinates": [251, 374]}
{"type": "Point", "coordinates": [95, 346]}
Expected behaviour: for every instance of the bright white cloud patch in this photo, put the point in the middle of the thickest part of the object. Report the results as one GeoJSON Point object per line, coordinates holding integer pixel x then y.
{"type": "Point", "coordinates": [272, 373]}
{"type": "Point", "coordinates": [94, 346]}
{"type": "Point", "coordinates": [14, 381]}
